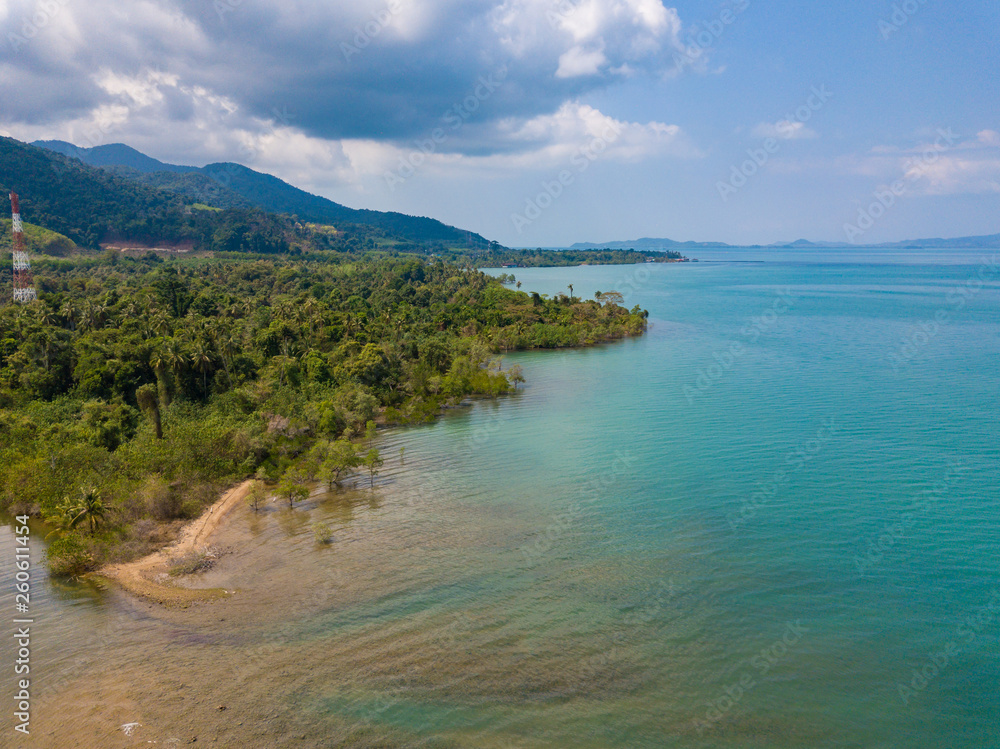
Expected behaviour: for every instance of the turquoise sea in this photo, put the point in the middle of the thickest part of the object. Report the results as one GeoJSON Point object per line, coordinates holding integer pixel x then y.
{"type": "Point", "coordinates": [772, 521]}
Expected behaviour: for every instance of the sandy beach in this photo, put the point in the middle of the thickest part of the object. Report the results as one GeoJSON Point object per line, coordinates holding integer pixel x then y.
{"type": "Point", "coordinates": [149, 577]}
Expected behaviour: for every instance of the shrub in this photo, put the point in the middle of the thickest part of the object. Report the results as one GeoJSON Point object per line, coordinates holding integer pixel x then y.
{"type": "Point", "coordinates": [69, 556]}
{"type": "Point", "coordinates": [193, 561]}
{"type": "Point", "coordinates": [323, 533]}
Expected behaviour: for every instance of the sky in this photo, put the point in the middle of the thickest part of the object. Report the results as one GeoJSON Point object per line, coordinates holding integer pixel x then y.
{"type": "Point", "coordinates": [546, 122]}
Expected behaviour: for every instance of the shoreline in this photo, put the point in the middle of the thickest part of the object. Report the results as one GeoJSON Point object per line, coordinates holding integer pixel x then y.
{"type": "Point", "coordinates": [148, 578]}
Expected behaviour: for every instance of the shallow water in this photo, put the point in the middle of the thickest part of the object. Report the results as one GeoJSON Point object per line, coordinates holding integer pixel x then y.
{"type": "Point", "coordinates": [669, 541]}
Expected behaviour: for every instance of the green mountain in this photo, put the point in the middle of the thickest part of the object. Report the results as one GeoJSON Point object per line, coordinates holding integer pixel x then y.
{"type": "Point", "coordinates": [86, 204]}
{"type": "Point", "coordinates": [228, 185]}
{"type": "Point", "coordinates": [93, 206]}
{"type": "Point", "coordinates": [114, 154]}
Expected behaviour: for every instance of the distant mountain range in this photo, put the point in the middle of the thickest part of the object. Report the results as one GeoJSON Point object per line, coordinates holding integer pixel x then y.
{"type": "Point", "coordinates": [648, 243]}
{"type": "Point", "coordinates": [229, 185]}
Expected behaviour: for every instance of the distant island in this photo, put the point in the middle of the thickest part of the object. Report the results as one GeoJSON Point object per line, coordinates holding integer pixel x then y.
{"type": "Point", "coordinates": [662, 244]}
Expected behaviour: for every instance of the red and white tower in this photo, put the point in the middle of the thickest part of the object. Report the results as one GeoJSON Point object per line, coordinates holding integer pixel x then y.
{"type": "Point", "coordinates": [24, 288]}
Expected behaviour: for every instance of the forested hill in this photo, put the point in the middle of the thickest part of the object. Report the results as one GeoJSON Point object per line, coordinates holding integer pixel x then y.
{"type": "Point", "coordinates": [228, 185]}
{"type": "Point", "coordinates": [79, 201]}
{"type": "Point", "coordinates": [115, 154]}
{"type": "Point", "coordinates": [91, 206]}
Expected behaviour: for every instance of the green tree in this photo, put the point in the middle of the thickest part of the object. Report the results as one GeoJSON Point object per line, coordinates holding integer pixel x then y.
{"type": "Point", "coordinates": [610, 298]}
{"type": "Point", "coordinates": [516, 375]}
{"type": "Point", "coordinates": [373, 462]}
{"type": "Point", "coordinates": [87, 508]}
{"type": "Point", "coordinates": [202, 361]}
{"type": "Point", "coordinates": [293, 487]}
{"type": "Point", "coordinates": [340, 458]}
{"type": "Point", "coordinates": [175, 359]}
{"type": "Point", "coordinates": [160, 363]}
{"type": "Point", "coordinates": [145, 396]}
{"type": "Point", "coordinates": [108, 425]}
{"type": "Point", "coordinates": [257, 494]}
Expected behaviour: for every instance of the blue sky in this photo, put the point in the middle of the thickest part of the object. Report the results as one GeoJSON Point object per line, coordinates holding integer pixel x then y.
{"type": "Point", "coordinates": [547, 122]}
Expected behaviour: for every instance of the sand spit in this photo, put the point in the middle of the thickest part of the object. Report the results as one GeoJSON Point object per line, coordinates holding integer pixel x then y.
{"type": "Point", "coordinates": [149, 577]}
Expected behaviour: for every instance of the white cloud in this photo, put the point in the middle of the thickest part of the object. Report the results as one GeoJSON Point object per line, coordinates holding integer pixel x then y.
{"type": "Point", "coordinates": [989, 138]}
{"type": "Point", "coordinates": [574, 125]}
{"type": "Point", "coordinates": [379, 69]}
{"type": "Point", "coordinates": [784, 130]}
{"type": "Point", "coordinates": [552, 141]}
{"type": "Point", "coordinates": [590, 37]}
{"type": "Point", "coordinates": [543, 143]}
{"type": "Point", "coordinates": [944, 164]}
{"type": "Point", "coordinates": [578, 61]}
{"type": "Point", "coordinates": [958, 174]}
{"type": "Point", "coordinates": [181, 83]}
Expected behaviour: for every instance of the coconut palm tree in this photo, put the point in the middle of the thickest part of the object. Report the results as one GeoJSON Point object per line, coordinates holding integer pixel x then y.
{"type": "Point", "coordinates": [202, 360]}
{"type": "Point", "coordinates": [87, 507]}
{"type": "Point", "coordinates": [146, 398]}
{"type": "Point", "coordinates": [161, 365]}
{"type": "Point", "coordinates": [176, 360]}
{"type": "Point", "coordinates": [227, 345]}
{"type": "Point", "coordinates": [46, 315]}
{"type": "Point", "coordinates": [70, 314]}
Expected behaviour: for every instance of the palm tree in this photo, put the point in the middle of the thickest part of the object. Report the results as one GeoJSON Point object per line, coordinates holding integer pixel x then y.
{"type": "Point", "coordinates": [201, 360]}
{"type": "Point", "coordinates": [132, 310]}
{"type": "Point", "coordinates": [87, 507]}
{"type": "Point", "coordinates": [227, 345]}
{"type": "Point", "coordinates": [90, 508]}
{"type": "Point", "coordinates": [146, 398]}
{"type": "Point", "coordinates": [70, 314]}
{"type": "Point", "coordinates": [160, 363]}
{"type": "Point", "coordinates": [94, 315]}
{"type": "Point", "coordinates": [175, 359]}
{"type": "Point", "coordinates": [160, 323]}
{"type": "Point", "coordinates": [46, 315]}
